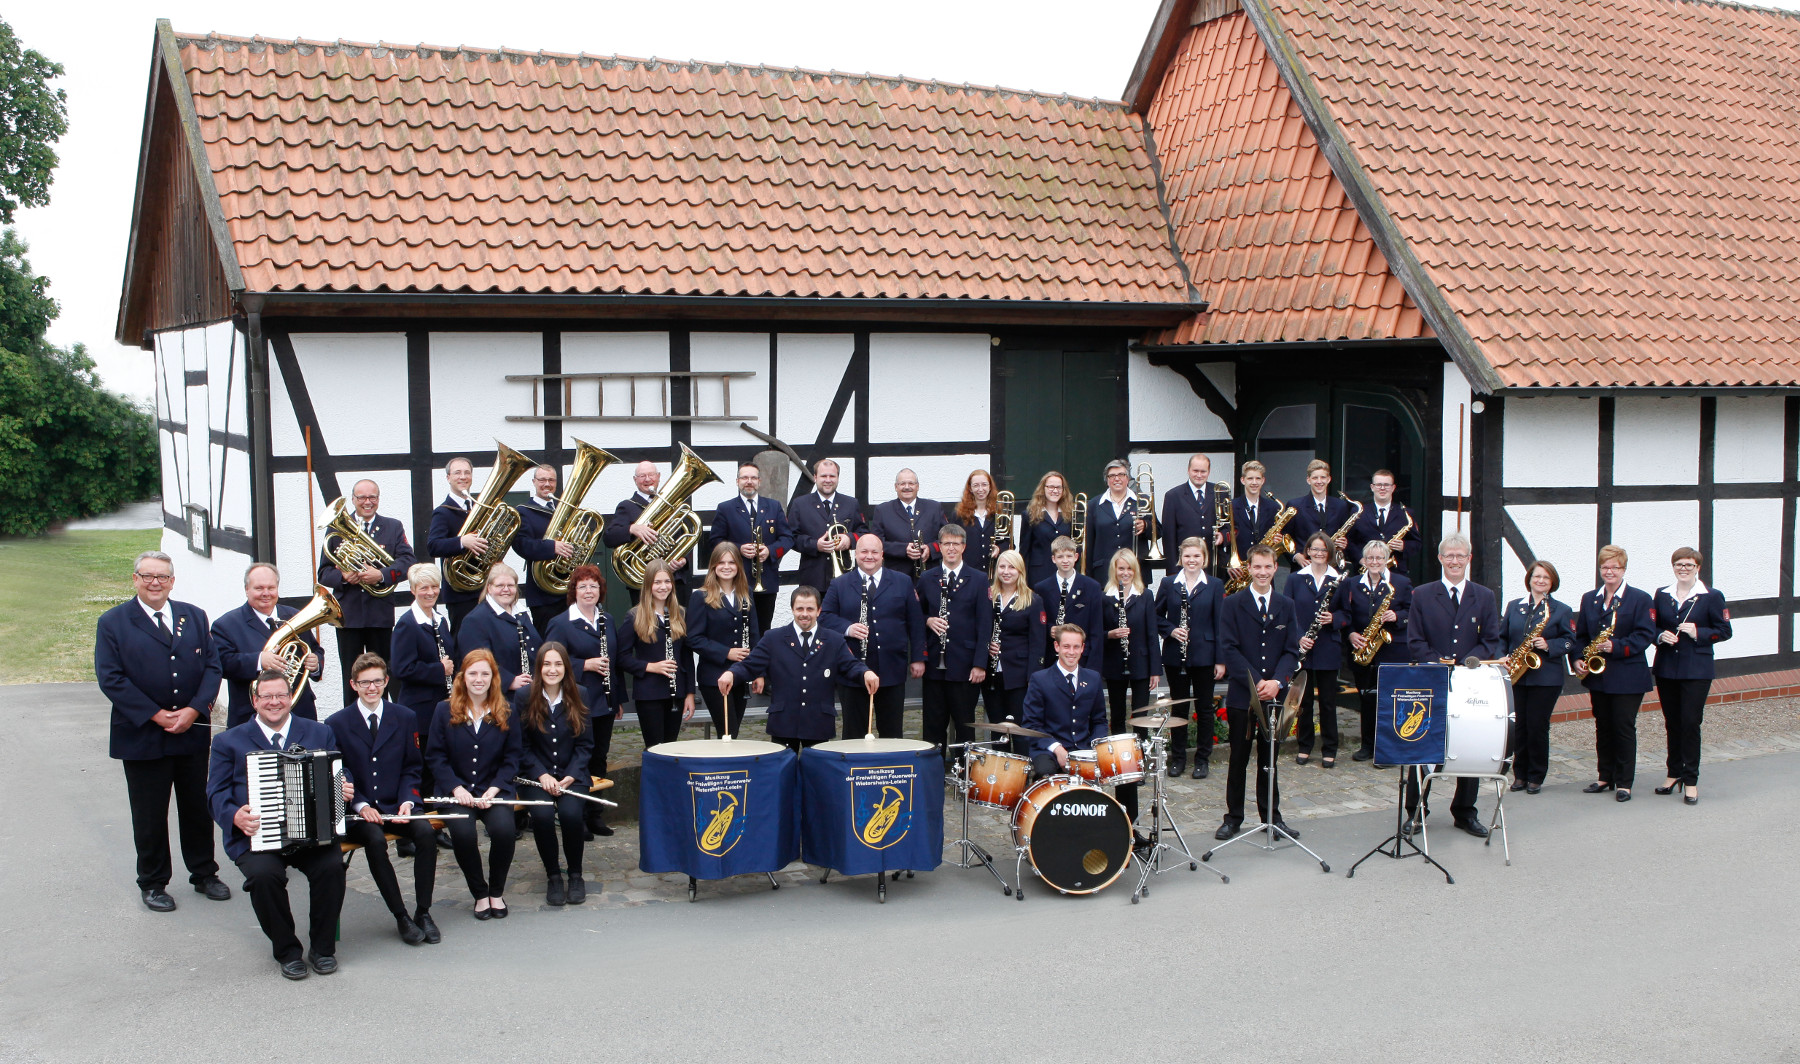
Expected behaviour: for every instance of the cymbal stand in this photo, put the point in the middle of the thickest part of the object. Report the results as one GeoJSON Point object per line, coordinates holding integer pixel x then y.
{"type": "Point", "coordinates": [1151, 862]}
{"type": "Point", "coordinates": [1268, 715]}
{"type": "Point", "coordinates": [960, 781]}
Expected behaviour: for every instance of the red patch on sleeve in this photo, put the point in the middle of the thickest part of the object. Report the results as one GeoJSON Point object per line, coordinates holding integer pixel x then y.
{"type": "Point", "coordinates": [1727, 614]}
{"type": "Point", "coordinates": [1653, 615]}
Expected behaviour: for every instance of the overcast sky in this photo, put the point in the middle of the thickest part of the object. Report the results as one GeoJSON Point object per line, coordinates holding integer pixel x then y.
{"type": "Point", "coordinates": [78, 241]}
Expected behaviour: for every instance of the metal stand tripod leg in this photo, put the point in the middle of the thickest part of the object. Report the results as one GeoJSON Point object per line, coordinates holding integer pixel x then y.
{"type": "Point", "coordinates": [1152, 863]}
{"type": "Point", "coordinates": [1498, 819]}
{"type": "Point", "coordinates": [1269, 827]}
{"type": "Point", "coordinates": [965, 846]}
{"type": "Point", "coordinates": [1399, 838]}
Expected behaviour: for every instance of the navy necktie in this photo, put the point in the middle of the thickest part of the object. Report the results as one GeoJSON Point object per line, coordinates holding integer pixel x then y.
{"type": "Point", "coordinates": [374, 727]}
{"type": "Point", "coordinates": [1455, 600]}
{"type": "Point", "coordinates": [162, 626]}
{"type": "Point", "coordinates": [275, 741]}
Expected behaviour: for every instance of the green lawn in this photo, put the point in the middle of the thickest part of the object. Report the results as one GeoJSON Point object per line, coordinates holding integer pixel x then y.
{"type": "Point", "coordinates": [52, 590]}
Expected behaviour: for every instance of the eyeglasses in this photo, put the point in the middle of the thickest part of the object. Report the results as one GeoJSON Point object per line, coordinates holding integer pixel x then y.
{"type": "Point", "coordinates": [154, 578]}
{"type": "Point", "coordinates": [377, 682]}
{"type": "Point", "coordinates": [1456, 556]}
{"type": "Point", "coordinates": [366, 498]}
{"type": "Point", "coordinates": [1686, 565]}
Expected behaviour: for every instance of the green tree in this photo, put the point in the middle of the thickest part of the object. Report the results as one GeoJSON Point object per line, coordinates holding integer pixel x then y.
{"type": "Point", "coordinates": [68, 448]}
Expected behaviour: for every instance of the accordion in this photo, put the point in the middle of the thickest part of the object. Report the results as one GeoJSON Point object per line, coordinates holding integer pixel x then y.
{"type": "Point", "coordinates": [298, 796]}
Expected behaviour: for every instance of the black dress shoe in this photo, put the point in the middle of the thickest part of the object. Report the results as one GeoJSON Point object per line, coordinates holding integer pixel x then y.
{"type": "Point", "coordinates": [484, 914]}
{"type": "Point", "coordinates": [157, 900]}
{"type": "Point", "coordinates": [1624, 795]}
{"type": "Point", "coordinates": [323, 963]}
{"type": "Point", "coordinates": [1411, 827]}
{"type": "Point", "coordinates": [443, 839]}
{"type": "Point", "coordinates": [601, 829]}
{"type": "Point", "coordinates": [1533, 788]}
{"type": "Point", "coordinates": [577, 889]}
{"type": "Point", "coordinates": [1227, 829]}
{"type": "Point", "coordinates": [555, 893]}
{"type": "Point", "coordinates": [1177, 765]}
{"type": "Point", "coordinates": [499, 911]}
{"type": "Point", "coordinates": [1691, 799]}
{"type": "Point", "coordinates": [428, 927]}
{"type": "Point", "coordinates": [587, 833]}
{"type": "Point", "coordinates": [1596, 788]}
{"type": "Point", "coordinates": [1282, 825]}
{"type": "Point", "coordinates": [409, 931]}
{"type": "Point", "coordinates": [1473, 826]}
{"type": "Point", "coordinates": [294, 969]}
{"type": "Point", "coordinates": [214, 888]}
{"type": "Point", "coordinates": [1518, 785]}
{"type": "Point", "coordinates": [405, 847]}
{"type": "Point", "coordinates": [1362, 754]}
{"type": "Point", "coordinates": [1202, 768]}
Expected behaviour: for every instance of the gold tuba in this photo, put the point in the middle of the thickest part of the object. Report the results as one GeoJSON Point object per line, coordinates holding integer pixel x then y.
{"type": "Point", "coordinates": [570, 523]}
{"type": "Point", "coordinates": [354, 550]}
{"type": "Point", "coordinates": [286, 644]}
{"type": "Point", "coordinates": [491, 519]}
{"type": "Point", "coordinates": [677, 526]}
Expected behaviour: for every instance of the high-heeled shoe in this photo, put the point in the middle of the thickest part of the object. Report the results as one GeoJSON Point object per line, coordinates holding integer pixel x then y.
{"type": "Point", "coordinates": [1596, 787]}
{"type": "Point", "coordinates": [1691, 799]}
{"type": "Point", "coordinates": [1669, 787]}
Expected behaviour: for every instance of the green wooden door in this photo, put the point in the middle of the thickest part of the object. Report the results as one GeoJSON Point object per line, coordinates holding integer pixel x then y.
{"type": "Point", "coordinates": [1061, 410]}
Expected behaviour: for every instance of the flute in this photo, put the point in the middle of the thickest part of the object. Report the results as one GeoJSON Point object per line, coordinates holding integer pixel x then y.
{"type": "Point", "coordinates": [570, 793]}
{"type": "Point", "coordinates": [397, 818]}
{"type": "Point", "coordinates": [496, 800]}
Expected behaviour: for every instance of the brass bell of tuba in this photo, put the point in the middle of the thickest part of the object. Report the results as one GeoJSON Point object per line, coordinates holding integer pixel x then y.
{"type": "Point", "coordinates": [354, 549]}
{"type": "Point", "coordinates": [286, 644]}
{"type": "Point", "coordinates": [491, 519]}
{"type": "Point", "coordinates": [677, 526]}
{"type": "Point", "coordinates": [570, 523]}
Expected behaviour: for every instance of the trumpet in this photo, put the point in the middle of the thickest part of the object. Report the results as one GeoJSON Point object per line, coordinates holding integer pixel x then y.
{"type": "Point", "coordinates": [286, 644]}
{"type": "Point", "coordinates": [491, 519]}
{"type": "Point", "coordinates": [1078, 530]}
{"type": "Point", "coordinates": [677, 526]}
{"type": "Point", "coordinates": [355, 549]}
{"type": "Point", "coordinates": [1143, 492]}
{"type": "Point", "coordinates": [571, 524]}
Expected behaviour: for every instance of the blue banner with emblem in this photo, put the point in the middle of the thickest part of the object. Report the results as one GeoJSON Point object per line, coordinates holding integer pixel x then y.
{"type": "Point", "coordinates": [1411, 705]}
{"type": "Point", "coordinates": [713, 817]}
{"type": "Point", "coordinates": [872, 811]}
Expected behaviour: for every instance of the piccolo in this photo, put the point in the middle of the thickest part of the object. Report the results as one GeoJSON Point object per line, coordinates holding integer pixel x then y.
{"type": "Point", "coordinates": [496, 800]}
{"type": "Point", "coordinates": [570, 793]}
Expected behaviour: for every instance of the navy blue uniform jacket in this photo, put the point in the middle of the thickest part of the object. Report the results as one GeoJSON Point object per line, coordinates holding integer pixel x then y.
{"type": "Point", "coordinates": [1250, 528]}
{"type": "Point", "coordinates": [1184, 516]}
{"type": "Point", "coordinates": [714, 632]}
{"type": "Point", "coordinates": [239, 636]}
{"type": "Point", "coordinates": [418, 678]}
{"type": "Point", "coordinates": [1110, 531]}
{"type": "Point", "coordinates": [361, 609]}
{"type": "Point", "coordinates": [971, 623]}
{"type": "Point", "coordinates": [1559, 632]}
{"type": "Point", "coordinates": [635, 655]}
{"type": "Point", "coordinates": [1627, 669]}
{"type": "Point", "coordinates": [1083, 609]}
{"type": "Point", "coordinates": [979, 539]}
{"type": "Point", "coordinates": [1023, 637]}
{"type": "Point", "coordinates": [889, 521]}
{"type": "Point", "coordinates": [1206, 623]}
{"type": "Point", "coordinates": [534, 521]}
{"type": "Point", "coordinates": [498, 633]}
{"type": "Point", "coordinates": [801, 702]}
{"type": "Point", "coordinates": [1434, 632]}
{"type": "Point", "coordinates": [1688, 658]}
{"type": "Point", "coordinates": [809, 517]}
{"type": "Point", "coordinates": [443, 542]}
{"type": "Point", "coordinates": [1145, 659]}
{"type": "Point", "coordinates": [1039, 565]}
{"type": "Point", "coordinates": [129, 656]}
{"type": "Point", "coordinates": [583, 641]}
{"type": "Point", "coordinates": [1328, 646]}
{"type": "Point", "coordinates": [896, 623]}
{"type": "Point", "coordinates": [388, 773]}
{"type": "Point", "coordinates": [1307, 521]}
{"type": "Point", "coordinates": [731, 523]}
{"type": "Point", "coordinates": [618, 527]}
{"type": "Point", "coordinates": [1074, 719]}
{"type": "Point", "coordinates": [1368, 527]}
{"type": "Point", "coordinates": [458, 756]}
{"type": "Point", "coordinates": [1361, 603]}
{"type": "Point", "coordinates": [556, 751]}
{"type": "Point", "coordinates": [1270, 649]}
{"type": "Point", "coordinates": [228, 777]}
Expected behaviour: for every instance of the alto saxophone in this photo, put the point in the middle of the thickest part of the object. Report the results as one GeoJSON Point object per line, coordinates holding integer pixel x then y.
{"type": "Point", "coordinates": [1523, 658]}
{"type": "Point", "coordinates": [1375, 635]}
{"type": "Point", "coordinates": [1592, 656]}
{"type": "Point", "coordinates": [1281, 543]}
{"type": "Point", "coordinates": [1344, 530]}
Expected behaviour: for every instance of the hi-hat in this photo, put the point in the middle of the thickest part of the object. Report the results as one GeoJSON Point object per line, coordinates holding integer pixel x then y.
{"type": "Point", "coordinates": [1165, 703]}
{"type": "Point", "coordinates": [1154, 720]}
{"type": "Point", "coordinates": [1007, 727]}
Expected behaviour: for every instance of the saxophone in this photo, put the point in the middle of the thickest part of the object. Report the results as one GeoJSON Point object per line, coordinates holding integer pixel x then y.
{"type": "Point", "coordinates": [1275, 539]}
{"type": "Point", "coordinates": [1375, 636]}
{"type": "Point", "coordinates": [1596, 661]}
{"type": "Point", "coordinates": [1523, 658]}
{"type": "Point", "coordinates": [1344, 530]}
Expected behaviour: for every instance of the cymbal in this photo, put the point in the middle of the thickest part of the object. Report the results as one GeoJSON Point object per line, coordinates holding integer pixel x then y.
{"type": "Point", "coordinates": [1164, 704]}
{"type": "Point", "coordinates": [1009, 728]}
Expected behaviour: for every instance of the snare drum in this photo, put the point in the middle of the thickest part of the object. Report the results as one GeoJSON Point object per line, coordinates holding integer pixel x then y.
{"type": "Point", "coordinates": [1077, 837]}
{"type": "Point", "coordinates": [1085, 764]}
{"type": "Point", "coordinates": [996, 778]}
{"type": "Point", "coordinates": [1121, 759]}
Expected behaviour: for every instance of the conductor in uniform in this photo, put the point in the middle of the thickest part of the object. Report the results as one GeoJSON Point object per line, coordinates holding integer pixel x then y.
{"type": "Point", "coordinates": [1261, 639]}
{"type": "Point", "coordinates": [368, 624]}
{"type": "Point", "coordinates": [155, 662]}
{"type": "Point", "coordinates": [1453, 618]}
{"type": "Point", "coordinates": [265, 872]}
{"type": "Point", "coordinates": [801, 662]}
{"type": "Point", "coordinates": [891, 644]}
{"type": "Point", "coordinates": [241, 635]}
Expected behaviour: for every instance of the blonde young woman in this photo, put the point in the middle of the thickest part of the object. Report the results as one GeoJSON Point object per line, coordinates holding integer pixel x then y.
{"type": "Point", "coordinates": [722, 630]}
{"type": "Point", "coordinates": [653, 647]}
{"type": "Point", "coordinates": [474, 753]}
{"type": "Point", "coordinates": [1046, 518]}
{"type": "Point", "coordinates": [1023, 633]}
{"type": "Point", "coordinates": [1131, 662]}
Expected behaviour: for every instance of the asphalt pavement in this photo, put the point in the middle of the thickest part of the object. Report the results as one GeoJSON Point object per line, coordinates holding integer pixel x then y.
{"type": "Point", "coordinates": [1642, 932]}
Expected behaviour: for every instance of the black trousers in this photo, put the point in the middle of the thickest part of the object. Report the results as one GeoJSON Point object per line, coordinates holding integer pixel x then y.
{"type": "Point", "coordinates": [1615, 737]}
{"type": "Point", "coordinates": [1044, 764]}
{"type": "Point", "coordinates": [660, 719]}
{"type": "Point", "coordinates": [890, 711]}
{"type": "Point", "coordinates": [796, 745]}
{"type": "Point", "coordinates": [765, 604]}
{"type": "Point", "coordinates": [1195, 682]}
{"type": "Point", "coordinates": [1321, 691]}
{"type": "Point", "coordinates": [459, 610]}
{"type": "Point", "coordinates": [1532, 707]}
{"type": "Point", "coordinates": [999, 704]}
{"type": "Point", "coordinates": [541, 616]}
{"type": "Point", "coordinates": [570, 811]}
{"type": "Point", "coordinates": [499, 820]}
{"type": "Point", "coordinates": [265, 878]}
{"type": "Point", "coordinates": [1683, 707]}
{"type": "Point", "coordinates": [948, 702]}
{"type": "Point", "coordinates": [1245, 739]}
{"type": "Point", "coordinates": [716, 705]}
{"type": "Point", "coordinates": [1366, 696]}
{"type": "Point", "coordinates": [148, 784]}
{"type": "Point", "coordinates": [1462, 803]}
{"type": "Point", "coordinates": [352, 643]}
{"type": "Point", "coordinates": [1123, 699]}
{"type": "Point", "coordinates": [373, 839]}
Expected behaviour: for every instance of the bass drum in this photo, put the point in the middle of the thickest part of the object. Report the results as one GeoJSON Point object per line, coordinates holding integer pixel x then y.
{"type": "Point", "coordinates": [1077, 837]}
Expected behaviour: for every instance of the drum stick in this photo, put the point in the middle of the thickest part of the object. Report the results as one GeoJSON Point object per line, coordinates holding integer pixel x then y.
{"type": "Point", "coordinates": [869, 737]}
{"type": "Point", "coordinates": [570, 793]}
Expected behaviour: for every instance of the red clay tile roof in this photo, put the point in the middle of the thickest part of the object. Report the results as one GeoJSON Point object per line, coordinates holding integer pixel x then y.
{"type": "Point", "coordinates": [1600, 192]}
{"type": "Point", "coordinates": [347, 167]}
{"type": "Point", "coordinates": [1274, 245]}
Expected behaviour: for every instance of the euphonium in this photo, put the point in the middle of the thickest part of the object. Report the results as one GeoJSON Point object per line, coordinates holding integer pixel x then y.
{"type": "Point", "coordinates": [1593, 656]}
{"type": "Point", "coordinates": [1523, 658]}
{"type": "Point", "coordinates": [1375, 636]}
{"type": "Point", "coordinates": [491, 519]}
{"type": "Point", "coordinates": [1143, 490]}
{"type": "Point", "coordinates": [286, 644]}
{"type": "Point", "coordinates": [1078, 530]}
{"type": "Point", "coordinates": [677, 526]}
{"type": "Point", "coordinates": [570, 523]}
{"type": "Point", "coordinates": [354, 549]}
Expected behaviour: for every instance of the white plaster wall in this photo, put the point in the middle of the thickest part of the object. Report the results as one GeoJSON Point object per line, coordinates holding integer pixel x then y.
{"type": "Point", "coordinates": [1456, 393]}
{"type": "Point", "coordinates": [470, 396]}
{"type": "Point", "coordinates": [1650, 532]}
{"type": "Point", "coordinates": [226, 376]}
{"type": "Point", "coordinates": [1224, 377]}
{"type": "Point", "coordinates": [1656, 441]}
{"type": "Point", "coordinates": [1750, 636]}
{"type": "Point", "coordinates": [1742, 531]}
{"type": "Point", "coordinates": [171, 387]}
{"type": "Point", "coordinates": [174, 492]}
{"type": "Point", "coordinates": [233, 500]}
{"type": "Point", "coordinates": [1164, 407]}
{"type": "Point", "coordinates": [1550, 443]}
{"type": "Point", "coordinates": [940, 476]}
{"type": "Point", "coordinates": [903, 403]}
{"type": "Point", "coordinates": [214, 584]}
{"type": "Point", "coordinates": [749, 396]}
{"type": "Point", "coordinates": [1747, 441]}
{"type": "Point", "coordinates": [357, 383]}
{"type": "Point", "coordinates": [1562, 535]}
{"type": "Point", "coordinates": [811, 365]}
{"type": "Point", "coordinates": [607, 352]}
{"type": "Point", "coordinates": [198, 461]}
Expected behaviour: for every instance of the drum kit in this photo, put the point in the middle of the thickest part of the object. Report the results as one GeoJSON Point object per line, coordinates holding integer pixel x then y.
{"type": "Point", "coordinates": [1077, 838]}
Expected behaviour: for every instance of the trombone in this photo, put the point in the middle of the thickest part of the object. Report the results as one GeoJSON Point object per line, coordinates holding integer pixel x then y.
{"type": "Point", "coordinates": [1005, 528]}
{"type": "Point", "coordinates": [1078, 530]}
{"type": "Point", "coordinates": [1143, 500]}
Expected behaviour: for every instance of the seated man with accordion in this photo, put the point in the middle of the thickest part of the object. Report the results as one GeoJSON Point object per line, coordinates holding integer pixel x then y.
{"type": "Point", "coordinates": [248, 774]}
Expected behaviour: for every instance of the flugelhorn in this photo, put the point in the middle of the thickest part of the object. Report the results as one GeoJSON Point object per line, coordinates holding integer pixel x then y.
{"type": "Point", "coordinates": [491, 519]}
{"type": "Point", "coordinates": [286, 644]}
{"type": "Point", "coordinates": [677, 526]}
{"type": "Point", "coordinates": [570, 523]}
{"type": "Point", "coordinates": [355, 550]}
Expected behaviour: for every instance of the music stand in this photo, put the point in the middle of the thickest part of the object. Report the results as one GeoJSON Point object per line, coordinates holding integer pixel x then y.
{"type": "Point", "coordinates": [1270, 718]}
{"type": "Point", "coordinates": [1152, 864]}
{"type": "Point", "coordinates": [1402, 736]}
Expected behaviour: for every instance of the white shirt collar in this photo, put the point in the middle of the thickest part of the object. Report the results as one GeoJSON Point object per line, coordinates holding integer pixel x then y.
{"type": "Point", "coordinates": [641, 496]}
{"type": "Point", "coordinates": [366, 712]}
{"type": "Point", "coordinates": [955, 573]}
{"type": "Point", "coordinates": [1182, 574]}
{"type": "Point", "coordinates": [431, 621]}
{"type": "Point", "coordinates": [265, 617]}
{"type": "Point", "coordinates": [824, 497]}
{"type": "Point", "coordinates": [547, 502]}
{"type": "Point", "coordinates": [168, 614]}
{"type": "Point", "coordinates": [749, 503]}
{"type": "Point", "coordinates": [802, 633]}
{"type": "Point", "coordinates": [287, 731]}
{"type": "Point", "coordinates": [1067, 675]}
{"type": "Point", "coordinates": [1067, 581]}
{"type": "Point", "coordinates": [461, 500]}
{"type": "Point", "coordinates": [574, 614]}
{"type": "Point", "coordinates": [1331, 573]}
{"type": "Point", "coordinates": [502, 610]}
{"type": "Point", "coordinates": [1699, 588]}
{"type": "Point", "coordinates": [1118, 503]}
{"type": "Point", "coordinates": [1373, 580]}
{"type": "Point", "coordinates": [1459, 588]}
{"type": "Point", "coordinates": [873, 578]}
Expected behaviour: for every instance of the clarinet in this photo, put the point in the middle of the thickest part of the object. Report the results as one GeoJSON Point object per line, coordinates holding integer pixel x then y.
{"type": "Point", "coordinates": [669, 649]}
{"type": "Point", "coordinates": [437, 636]}
{"type": "Point", "coordinates": [744, 621]}
{"type": "Point", "coordinates": [1325, 594]}
{"type": "Point", "coordinates": [1124, 622]}
{"type": "Point", "coordinates": [944, 593]}
{"type": "Point", "coordinates": [1062, 605]}
{"type": "Point", "coordinates": [862, 618]}
{"type": "Point", "coordinates": [524, 650]}
{"type": "Point", "coordinates": [1187, 646]}
{"type": "Point", "coordinates": [999, 613]}
{"type": "Point", "coordinates": [605, 677]}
